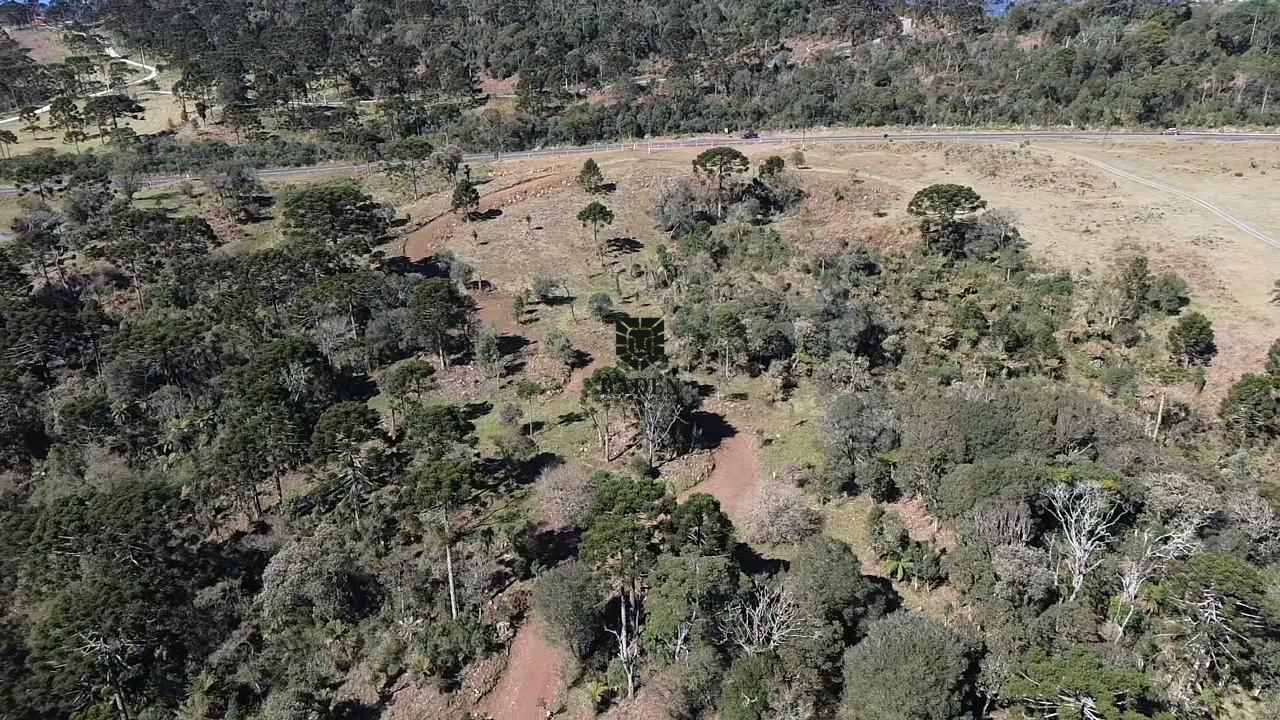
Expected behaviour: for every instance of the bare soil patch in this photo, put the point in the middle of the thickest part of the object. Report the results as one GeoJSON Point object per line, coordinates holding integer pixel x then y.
{"type": "Point", "coordinates": [433, 234]}
{"type": "Point", "coordinates": [44, 45]}
{"type": "Point", "coordinates": [528, 687]}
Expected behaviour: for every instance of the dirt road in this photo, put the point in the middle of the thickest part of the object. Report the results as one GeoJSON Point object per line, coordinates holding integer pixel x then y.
{"type": "Point", "coordinates": [528, 686]}
{"type": "Point", "coordinates": [151, 70]}
{"type": "Point", "coordinates": [736, 474]}
{"type": "Point", "coordinates": [1218, 210]}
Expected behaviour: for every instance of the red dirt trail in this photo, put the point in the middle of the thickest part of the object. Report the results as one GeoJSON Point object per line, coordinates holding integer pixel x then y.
{"type": "Point", "coordinates": [736, 473]}
{"type": "Point", "coordinates": [528, 686]}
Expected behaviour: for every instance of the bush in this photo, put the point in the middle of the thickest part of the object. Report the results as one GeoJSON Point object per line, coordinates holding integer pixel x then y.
{"type": "Point", "coordinates": [1126, 334]}
{"type": "Point", "coordinates": [544, 288]}
{"type": "Point", "coordinates": [903, 651]}
{"type": "Point", "coordinates": [1118, 379]}
{"type": "Point", "coordinates": [600, 306]}
{"type": "Point", "coordinates": [641, 467]}
{"type": "Point", "coordinates": [778, 513]}
{"type": "Point", "coordinates": [1167, 294]}
{"type": "Point", "coordinates": [888, 532]}
{"type": "Point", "coordinates": [747, 686]}
{"type": "Point", "coordinates": [1191, 340]}
{"type": "Point", "coordinates": [1272, 366]}
{"type": "Point", "coordinates": [1251, 409]}
{"type": "Point", "coordinates": [563, 494]}
{"type": "Point", "coordinates": [567, 600]}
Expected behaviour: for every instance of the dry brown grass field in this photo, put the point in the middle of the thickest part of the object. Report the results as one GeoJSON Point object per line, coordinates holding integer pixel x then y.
{"type": "Point", "coordinates": [1074, 216]}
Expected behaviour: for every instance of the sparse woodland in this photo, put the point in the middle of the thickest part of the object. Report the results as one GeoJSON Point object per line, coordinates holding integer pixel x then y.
{"type": "Point", "coordinates": [239, 481]}
{"type": "Point", "coordinates": [233, 483]}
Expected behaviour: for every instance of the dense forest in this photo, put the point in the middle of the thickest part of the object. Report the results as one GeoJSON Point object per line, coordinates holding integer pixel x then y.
{"type": "Point", "coordinates": [369, 72]}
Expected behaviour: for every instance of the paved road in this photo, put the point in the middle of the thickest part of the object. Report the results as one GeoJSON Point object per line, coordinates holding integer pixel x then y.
{"type": "Point", "coordinates": [788, 139]}
{"type": "Point", "coordinates": [719, 140]}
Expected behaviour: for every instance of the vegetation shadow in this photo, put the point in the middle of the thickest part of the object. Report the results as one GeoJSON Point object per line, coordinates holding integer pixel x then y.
{"type": "Point", "coordinates": [512, 368]}
{"type": "Point", "coordinates": [490, 214]}
{"type": "Point", "coordinates": [472, 412]}
{"type": "Point", "coordinates": [711, 430]}
{"type": "Point", "coordinates": [558, 300]}
{"type": "Point", "coordinates": [581, 359]}
{"type": "Point", "coordinates": [555, 545]}
{"type": "Point", "coordinates": [529, 470]}
{"type": "Point", "coordinates": [753, 563]}
{"type": "Point", "coordinates": [571, 417]}
{"type": "Point", "coordinates": [401, 265]}
{"type": "Point", "coordinates": [360, 388]}
{"type": "Point", "coordinates": [891, 599]}
{"type": "Point", "coordinates": [623, 245]}
{"type": "Point", "coordinates": [512, 344]}
{"type": "Point", "coordinates": [355, 710]}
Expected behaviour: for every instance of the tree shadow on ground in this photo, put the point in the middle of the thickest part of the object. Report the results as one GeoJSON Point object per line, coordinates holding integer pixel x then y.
{"type": "Point", "coordinates": [355, 710]}
{"type": "Point", "coordinates": [476, 410]}
{"type": "Point", "coordinates": [623, 246]}
{"type": "Point", "coordinates": [571, 417]}
{"type": "Point", "coordinates": [530, 469]}
{"type": "Point", "coordinates": [512, 344]}
{"type": "Point", "coordinates": [711, 429]}
{"type": "Point", "coordinates": [484, 215]}
{"type": "Point", "coordinates": [580, 359]}
{"type": "Point", "coordinates": [555, 545]}
{"type": "Point", "coordinates": [753, 563]}
{"type": "Point", "coordinates": [427, 267]}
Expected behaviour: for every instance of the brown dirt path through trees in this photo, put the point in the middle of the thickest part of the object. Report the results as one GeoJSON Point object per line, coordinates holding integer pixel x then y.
{"type": "Point", "coordinates": [736, 474]}
{"type": "Point", "coordinates": [528, 686]}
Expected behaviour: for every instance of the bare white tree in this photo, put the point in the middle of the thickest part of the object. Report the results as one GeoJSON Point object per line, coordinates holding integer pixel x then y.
{"type": "Point", "coordinates": [1171, 495]}
{"type": "Point", "coordinates": [779, 513]}
{"type": "Point", "coordinates": [658, 406]}
{"type": "Point", "coordinates": [628, 637]}
{"type": "Point", "coordinates": [790, 701]}
{"type": "Point", "coordinates": [1156, 551]}
{"type": "Point", "coordinates": [1085, 706]}
{"type": "Point", "coordinates": [766, 620]}
{"type": "Point", "coordinates": [1255, 518]}
{"type": "Point", "coordinates": [1086, 512]}
{"type": "Point", "coordinates": [1213, 628]}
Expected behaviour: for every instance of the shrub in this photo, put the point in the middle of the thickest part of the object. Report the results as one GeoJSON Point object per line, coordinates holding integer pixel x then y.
{"type": "Point", "coordinates": [897, 653]}
{"type": "Point", "coordinates": [1191, 340]}
{"type": "Point", "coordinates": [1167, 294]}
{"type": "Point", "coordinates": [1251, 409]}
{"type": "Point", "coordinates": [562, 495]}
{"type": "Point", "coordinates": [544, 288]}
{"type": "Point", "coordinates": [600, 305]}
{"type": "Point", "coordinates": [778, 513]}
{"type": "Point", "coordinates": [567, 599]}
